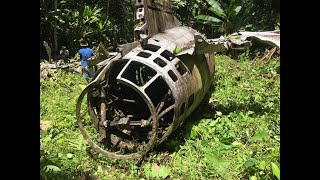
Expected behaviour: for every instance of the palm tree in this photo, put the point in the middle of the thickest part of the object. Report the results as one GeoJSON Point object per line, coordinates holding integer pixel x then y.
{"type": "Point", "coordinates": [229, 16]}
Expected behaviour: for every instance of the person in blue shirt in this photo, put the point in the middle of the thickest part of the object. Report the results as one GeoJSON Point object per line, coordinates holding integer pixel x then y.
{"type": "Point", "coordinates": [85, 53]}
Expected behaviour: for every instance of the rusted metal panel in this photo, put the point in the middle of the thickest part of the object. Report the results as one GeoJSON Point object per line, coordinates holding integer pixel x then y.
{"type": "Point", "coordinates": [159, 17]}
{"type": "Point", "coordinates": [182, 37]}
{"type": "Point", "coordinates": [270, 37]}
{"type": "Point", "coordinates": [144, 92]}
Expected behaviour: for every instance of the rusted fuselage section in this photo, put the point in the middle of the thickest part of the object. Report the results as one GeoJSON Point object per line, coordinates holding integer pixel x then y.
{"type": "Point", "coordinates": [141, 94]}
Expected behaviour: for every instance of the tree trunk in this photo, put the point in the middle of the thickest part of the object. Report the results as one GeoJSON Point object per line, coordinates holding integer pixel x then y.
{"type": "Point", "coordinates": [108, 8]}
{"type": "Point", "coordinates": [81, 16]}
{"type": "Point", "coordinates": [55, 35]}
{"type": "Point", "coordinates": [133, 8]}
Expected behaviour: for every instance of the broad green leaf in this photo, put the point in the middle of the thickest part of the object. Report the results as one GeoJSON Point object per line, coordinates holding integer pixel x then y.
{"type": "Point", "coordinates": [236, 144]}
{"type": "Point", "coordinates": [213, 123]}
{"type": "Point", "coordinates": [147, 171]}
{"type": "Point", "coordinates": [253, 178]}
{"type": "Point", "coordinates": [275, 170]}
{"type": "Point", "coordinates": [216, 8]}
{"type": "Point", "coordinates": [100, 25]}
{"type": "Point", "coordinates": [94, 18]}
{"type": "Point", "coordinates": [208, 18]}
{"type": "Point", "coordinates": [259, 136]}
{"type": "Point", "coordinates": [52, 168]}
{"type": "Point", "coordinates": [262, 165]}
{"type": "Point", "coordinates": [154, 173]}
{"type": "Point", "coordinates": [250, 162]}
{"type": "Point", "coordinates": [164, 172]}
{"type": "Point", "coordinates": [232, 134]}
{"type": "Point", "coordinates": [205, 143]}
{"type": "Point", "coordinates": [249, 113]}
{"type": "Point", "coordinates": [226, 147]}
{"type": "Point", "coordinates": [193, 133]}
{"type": "Point", "coordinates": [248, 26]}
{"type": "Point", "coordinates": [69, 155]}
{"type": "Point", "coordinates": [61, 20]}
{"type": "Point", "coordinates": [176, 50]}
{"type": "Point", "coordinates": [212, 157]}
{"type": "Point", "coordinates": [237, 10]}
{"type": "Point", "coordinates": [218, 113]}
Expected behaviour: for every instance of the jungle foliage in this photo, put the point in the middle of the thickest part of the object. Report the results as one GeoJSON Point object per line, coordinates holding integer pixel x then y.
{"type": "Point", "coordinates": [112, 21]}
{"type": "Point", "coordinates": [233, 134]}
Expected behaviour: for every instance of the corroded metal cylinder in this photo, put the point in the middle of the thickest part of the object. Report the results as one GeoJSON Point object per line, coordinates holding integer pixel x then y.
{"type": "Point", "coordinates": [137, 99]}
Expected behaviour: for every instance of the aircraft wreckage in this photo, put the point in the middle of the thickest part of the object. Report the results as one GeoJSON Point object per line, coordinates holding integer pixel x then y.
{"type": "Point", "coordinates": [145, 91]}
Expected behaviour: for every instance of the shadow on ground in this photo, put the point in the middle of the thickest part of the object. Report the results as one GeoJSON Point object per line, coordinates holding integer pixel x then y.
{"type": "Point", "coordinates": [204, 111]}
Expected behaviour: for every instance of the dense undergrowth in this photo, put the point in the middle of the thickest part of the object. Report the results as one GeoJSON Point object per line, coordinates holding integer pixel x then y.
{"type": "Point", "coordinates": [234, 133]}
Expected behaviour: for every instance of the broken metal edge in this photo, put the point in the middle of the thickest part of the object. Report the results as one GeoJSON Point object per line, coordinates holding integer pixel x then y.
{"type": "Point", "coordinates": [151, 143]}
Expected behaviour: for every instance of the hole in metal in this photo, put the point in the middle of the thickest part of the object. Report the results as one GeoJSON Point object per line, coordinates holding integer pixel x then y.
{"type": "Point", "coordinates": [138, 73]}
{"type": "Point", "coordinates": [172, 75]}
{"type": "Point", "coordinates": [151, 47]}
{"type": "Point", "coordinates": [181, 68]}
{"type": "Point", "coordinates": [144, 54]}
{"type": "Point", "coordinates": [166, 119]}
{"type": "Point", "coordinates": [123, 103]}
{"type": "Point", "coordinates": [160, 62]}
{"type": "Point", "coordinates": [156, 90]}
{"type": "Point", "coordinates": [168, 55]}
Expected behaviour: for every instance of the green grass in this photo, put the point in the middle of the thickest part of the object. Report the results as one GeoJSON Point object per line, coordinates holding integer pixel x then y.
{"type": "Point", "coordinates": [237, 137]}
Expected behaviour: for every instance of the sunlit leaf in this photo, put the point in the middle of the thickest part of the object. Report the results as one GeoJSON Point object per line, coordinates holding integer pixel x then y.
{"type": "Point", "coordinates": [208, 18]}
{"type": "Point", "coordinates": [94, 18]}
{"type": "Point", "coordinates": [237, 10]}
{"type": "Point", "coordinates": [259, 136]}
{"type": "Point", "coordinates": [236, 144]}
{"type": "Point", "coordinates": [176, 50]}
{"type": "Point", "coordinates": [250, 162]}
{"type": "Point", "coordinates": [275, 170]}
{"type": "Point", "coordinates": [216, 8]}
{"type": "Point", "coordinates": [52, 168]}
{"type": "Point", "coordinates": [249, 26]}
{"type": "Point", "coordinates": [262, 165]}
{"type": "Point", "coordinates": [193, 133]}
{"type": "Point", "coordinates": [69, 155]}
{"type": "Point", "coordinates": [218, 113]}
{"type": "Point", "coordinates": [253, 178]}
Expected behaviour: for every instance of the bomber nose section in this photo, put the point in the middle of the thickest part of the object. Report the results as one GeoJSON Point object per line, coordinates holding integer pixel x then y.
{"type": "Point", "coordinates": [142, 94]}
{"type": "Point", "coordinates": [130, 105]}
{"type": "Point", "coordinates": [136, 102]}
